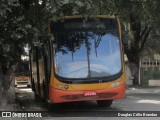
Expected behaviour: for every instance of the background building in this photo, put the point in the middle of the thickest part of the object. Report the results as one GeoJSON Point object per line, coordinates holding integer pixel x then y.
{"type": "Point", "coordinates": [150, 70]}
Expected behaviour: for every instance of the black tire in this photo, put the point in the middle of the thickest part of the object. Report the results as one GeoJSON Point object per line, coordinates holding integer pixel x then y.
{"type": "Point", "coordinates": [104, 103]}
{"type": "Point", "coordinates": [45, 97]}
{"type": "Point", "coordinates": [37, 98]}
{"type": "Point", "coordinates": [32, 85]}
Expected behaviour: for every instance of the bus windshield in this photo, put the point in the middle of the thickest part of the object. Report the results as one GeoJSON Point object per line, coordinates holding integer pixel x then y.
{"type": "Point", "coordinates": [87, 53]}
{"type": "Point", "coordinates": [23, 69]}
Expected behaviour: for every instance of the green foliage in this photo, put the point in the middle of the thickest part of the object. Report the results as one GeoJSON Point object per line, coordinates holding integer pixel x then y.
{"type": "Point", "coordinates": [12, 32]}
{"type": "Point", "coordinates": [26, 21]}
{"type": "Point", "coordinates": [60, 8]}
{"type": "Point", "coordinates": [140, 15]}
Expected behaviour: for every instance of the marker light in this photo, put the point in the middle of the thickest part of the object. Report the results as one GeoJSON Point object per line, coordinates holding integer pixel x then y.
{"type": "Point", "coordinates": [113, 85]}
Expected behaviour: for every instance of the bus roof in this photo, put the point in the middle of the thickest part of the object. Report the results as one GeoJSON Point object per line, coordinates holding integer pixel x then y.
{"type": "Point", "coordinates": [75, 17]}
{"type": "Point", "coordinates": [80, 16]}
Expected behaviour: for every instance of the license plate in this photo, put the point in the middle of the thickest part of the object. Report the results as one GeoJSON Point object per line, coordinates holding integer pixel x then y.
{"type": "Point", "coordinates": [91, 93]}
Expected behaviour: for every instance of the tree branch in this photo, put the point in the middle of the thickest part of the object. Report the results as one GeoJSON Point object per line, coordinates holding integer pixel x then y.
{"type": "Point", "coordinates": [144, 31]}
{"type": "Point", "coordinates": [1, 75]}
{"type": "Point", "coordinates": [138, 30]}
{"type": "Point", "coordinates": [9, 76]}
{"type": "Point", "coordinates": [145, 38]}
{"type": "Point", "coordinates": [44, 3]}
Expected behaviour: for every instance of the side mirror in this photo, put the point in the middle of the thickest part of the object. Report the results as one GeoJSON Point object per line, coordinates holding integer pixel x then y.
{"type": "Point", "coordinates": [125, 58]}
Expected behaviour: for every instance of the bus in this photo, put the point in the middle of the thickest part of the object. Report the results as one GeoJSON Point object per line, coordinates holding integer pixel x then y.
{"type": "Point", "coordinates": [22, 76]}
{"type": "Point", "coordinates": [83, 61]}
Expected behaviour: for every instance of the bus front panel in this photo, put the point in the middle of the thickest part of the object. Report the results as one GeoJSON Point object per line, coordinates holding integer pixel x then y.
{"type": "Point", "coordinates": [87, 60]}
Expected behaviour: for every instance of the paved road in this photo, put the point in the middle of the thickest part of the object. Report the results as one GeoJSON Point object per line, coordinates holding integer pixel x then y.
{"type": "Point", "coordinates": [137, 99]}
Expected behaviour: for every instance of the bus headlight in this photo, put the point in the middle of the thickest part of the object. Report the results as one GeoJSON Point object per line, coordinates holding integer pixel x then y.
{"type": "Point", "coordinates": [62, 86]}
{"type": "Point", "coordinates": [117, 83]}
{"type": "Point", "coordinates": [66, 87]}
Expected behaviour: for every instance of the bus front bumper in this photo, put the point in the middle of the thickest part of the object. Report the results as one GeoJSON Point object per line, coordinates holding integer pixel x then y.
{"type": "Point", "coordinates": [60, 96]}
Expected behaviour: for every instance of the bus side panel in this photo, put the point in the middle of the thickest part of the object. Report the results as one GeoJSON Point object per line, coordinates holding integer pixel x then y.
{"type": "Point", "coordinates": [44, 70]}
{"type": "Point", "coordinates": [41, 75]}
{"type": "Point", "coordinates": [34, 70]}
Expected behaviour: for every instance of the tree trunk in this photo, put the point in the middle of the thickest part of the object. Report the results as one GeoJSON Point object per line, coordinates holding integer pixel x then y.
{"type": "Point", "coordinates": [134, 72]}
{"type": "Point", "coordinates": [133, 65]}
{"type": "Point", "coordinates": [140, 34]}
{"type": "Point", "coordinates": [7, 91]}
{"type": "Point", "coordinates": [3, 101]}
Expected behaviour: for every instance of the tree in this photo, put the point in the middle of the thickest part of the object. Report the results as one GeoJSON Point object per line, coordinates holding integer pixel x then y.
{"type": "Point", "coordinates": [25, 22]}
{"type": "Point", "coordinates": [12, 41]}
{"type": "Point", "coordinates": [137, 14]}
{"type": "Point", "coordinates": [18, 27]}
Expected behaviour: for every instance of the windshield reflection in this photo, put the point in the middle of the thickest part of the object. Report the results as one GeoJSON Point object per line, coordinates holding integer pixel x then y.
{"type": "Point", "coordinates": [87, 54]}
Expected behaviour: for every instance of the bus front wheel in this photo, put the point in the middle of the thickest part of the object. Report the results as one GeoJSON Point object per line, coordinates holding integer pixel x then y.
{"type": "Point", "coordinates": [104, 103]}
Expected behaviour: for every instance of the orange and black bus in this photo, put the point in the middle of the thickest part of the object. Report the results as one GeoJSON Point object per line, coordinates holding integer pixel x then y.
{"type": "Point", "coordinates": [82, 61]}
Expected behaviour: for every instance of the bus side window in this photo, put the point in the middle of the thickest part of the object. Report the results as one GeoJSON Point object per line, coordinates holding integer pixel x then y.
{"type": "Point", "coordinates": [47, 57]}
{"type": "Point", "coordinates": [40, 53]}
